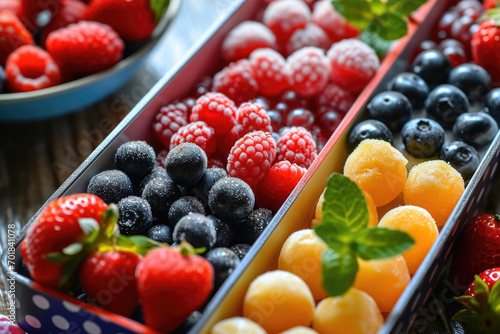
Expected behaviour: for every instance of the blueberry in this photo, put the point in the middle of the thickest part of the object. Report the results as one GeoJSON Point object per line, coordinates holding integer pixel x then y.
{"type": "Point", "coordinates": [185, 164]}
{"type": "Point", "coordinates": [300, 117]}
{"type": "Point", "coordinates": [135, 216]}
{"type": "Point", "coordinates": [241, 250]}
{"type": "Point", "coordinates": [202, 188]}
{"type": "Point", "coordinates": [161, 233]}
{"type": "Point", "coordinates": [263, 102]}
{"type": "Point", "coordinates": [445, 103]}
{"type": "Point", "coordinates": [160, 194]}
{"type": "Point", "coordinates": [188, 323]}
{"type": "Point", "coordinates": [224, 261]}
{"type": "Point", "coordinates": [463, 157]}
{"type": "Point", "coordinates": [423, 137]}
{"type": "Point", "coordinates": [473, 80]}
{"type": "Point", "coordinates": [222, 231]}
{"type": "Point", "coordinates": [111, 186]}
{"type": "Point", "coordinates": [492, 104]}
{"type": "Point", "coordinates": [231, 199]}
{"type": "Point", "coordinates": [476, 128]}
{"type": "Point", "coordinates": [391, 108]}
{"type": "Point", "coordinates": [412, 86]}
{"type": "Point", "coordinates": [250, 228]}
{"type": "Point", "coordinates": [157, 172]}
{"type": "Point", "coordinates": [182, 207]}
{"type": "Point", "coordinates": [196, 229]}
{"type": "Point", "coordinates": [136, 159]}
{"type": "Point", "coordinates": [2, 80]}
{"type": "Point", "coordinates": [432, 66]}
{"type": "Point", "coordinates": [369, 129]}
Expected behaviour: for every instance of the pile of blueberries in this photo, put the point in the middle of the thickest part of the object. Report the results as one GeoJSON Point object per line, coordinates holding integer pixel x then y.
{"type": "Point", "coordinates": [446, 96]}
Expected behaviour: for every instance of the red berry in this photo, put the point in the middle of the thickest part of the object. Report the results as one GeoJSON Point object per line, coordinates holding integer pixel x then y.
{"type": "Point", "coordinates": [217, 110]}
{"type": "Point", "coordinates": [334, 24]}
{"type": "Point", "coordinates": [291, 100]}
{"type": "Point", "coordinates": [308, 70]}
{"type": "Point", "coordinates": [329, 122]}
{"type": "Point", "coordinates": [252, 117]}
{"type": "Point", "coordinates": [285, 16]}
{"type": "Point", "coordinates": [489, 276]}
{"type": "Point", "coordinates": [198, 133]}
{"type": "Point", "coordinates": [353, 64]}
{"type": "Point", "coordinates": [245, 38]}
{"type": "Point", "coordinates": [490, 4]}
{"type": "Point", "coordinates": [251, 157]}
{"type": "Point", "coordinates": [202, 86]}
{"type": "Point", "coordinates": [485, 47]}
{"type": "Point", "coordinates": [13, 34]}
{"type": "Point", "coordinates": [31, 68]}
{"type": "Point", "coordinates": [237, 82]}
{"type": "Point", "coordinates": [160, 158]}
{"type": "Point", "coordinates": [311, 35]}
{"type": "Point", "coordinates": [7, 327]}
{"type": "Point", "coordinates": [71, 11]}
{"type": "Point", "coordinates": [300, 117]}
{"type": "Point", "coordinates": [168, 121]}
{"type": "Point", "coordinates": [471, 8]}
{"type": "Point", "coordinates": [30, 10]}
{"type": "Point", "coordinates": [215, 163]}
{"type": "Point", "coordinates": [297, 146]}
{"type": "Point", "coordinates": [13, 5]}
{"type": "Point", "coordinates": [336, 98]}
{"type": "Point", "coordinates": [445, 23]}
{"type": "Point", "coordinates": [85, 48]}
{"type": "Point", "coordinates": [269, 71]}
{"type": "Point", "coordinates": [460, 30]}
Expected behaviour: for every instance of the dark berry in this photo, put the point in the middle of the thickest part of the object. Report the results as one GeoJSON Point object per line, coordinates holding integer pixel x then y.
{"type": "Point", "coordinates": [136, 159]}
{"type": "Point", "coordinates": [492, 104]}
{"type": "Point", "coordinates": [460, 29]}
{"type": "Point", "coordinates": [188, 323]}
{"type": "Point", "coordinates": [222, 231]}
{"type": "Point", "coordinates": [202, 188]}
{"type": "Point", "coordinates": [463, 157]}
{"type": "Point", "coordinates": [282, 108]}
{"type": "Point", "coordinates": [293, 100]}
{"type": "Point", "coordinates": [391, 108]}
{"type": "Point", "coordinates": [2, 79]}
{"type": "Point", "coordinates": [189, 102]}
{"type": "Point", "coordinates": [329, 122]}
{"type": "Point", "coordinates": [445, 23]}
{"type": "Point", "coordinates": [456, 55]}
{"type": "Point", "coordinates": [432, 66]}
{"type": "Point", "coordinates": [263, 102]}
{"type": "Point", "coordinates": [135, 216]}
{"type": "Point", "coordinates": [203, 86]}
{"type": "Point", "coordinates": [445, 103]}
{"type": "Point", "coordinates": [111, 186]}
{"type": "Point", "coordinates": [369, 129]}
{"type": "Point", "coordinates": [250, 229]}
{"type": "Point", "coordinates": [473, 80]}
{"type": "Point", "coordinates": [197, 230]}
{"type": "Point", "coordinates": [412, 86]}
{"type": "Point", "coordinates": [185, 164]}
{"type": "Point", "coordinates": [157, 172]}
{"type": "Point", "coordinates": [423, 137]}
{"type": "Point", "coordinates": [470, 8]}
{"type": "Point", "coordinates": [161, 233]}
{"type": "Point", "coordinates": [276, 119]}
{"type": "Point", "coordinates": [241, 250]}
{"type": "Point", "coordinates": [450, 42]}
{"type": "Point", "coordinates": [224, 261]}
{"type": "Point", "coordinates": [182, 207]}
{"type": "Point", "coordinates": [427, 45]}
{"type": "Point", "coordinates": [300, 117]}
{"type": "Point", "coordinates": [231, 200]}
{"type": "Point", "coordinates": [475, 128]}
{"type": "Point", "coordinates": [160, 194]}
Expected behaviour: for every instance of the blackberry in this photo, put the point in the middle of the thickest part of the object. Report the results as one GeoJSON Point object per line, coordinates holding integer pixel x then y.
{"type": "Point", "coordinates": [222, 231]}
{"type": "Point", "coordinates": [463, 157]}
{"type": "Point", "coordinates": [412, 86]}
{"type": "Point", "coordinates": [182, 207]}
{"type": "Point", "coordinates": [432, 66]}
{"type": "Point", "coordinates": [391, 108]}
{"type": "Point", "coordinates": [473, 80]}
{"type": "Point", "coordinates": [157, 172]}
{"type": "Point", "coordinates": [369, 129]}
{"type": "Point", "coordinates": [445, 103]}
{"type": "Point", "coordinates": [136, 159]}
{"type": "Point", "coordinates": [188, 323]}
{"type": "Point", "coordinates": [135, 216]}
{"type": "Point", "coordinates": [196, 229]}
{"type": "Point", "coordinates": [231, 199]}
{"type": "Point", "coordinates": [160, 194]}
{"type": "Point", "coordinates": [241, 250]}
{"type": "Point", "coordinates": [250, 228]}
{"type": "Point", "coordinates": [161, 233]}
{"type": "Point", "coordinates": [185, 164]}
{"type": "Point", "coordinates": [476, 128]}
{"type": "Point", "coordinates": [111, 186]}
{"type": "Point", "coordinates": [202, 188]}
{"type": "Point", "coordinates": [224, 261]}
{"type": "Point", "coordinates": [423, 137]}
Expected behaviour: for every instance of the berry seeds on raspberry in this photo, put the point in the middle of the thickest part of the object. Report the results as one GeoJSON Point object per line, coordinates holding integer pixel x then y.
{"type": "Point", "coordinates": [217, 110]}
{"type": "Point", "coordinates": [237, 82]}
{"type": "Point", "coordinates": [198, 133]}
{"type": "Point", "coordinates": [285, 16]}
{"type": "Point", "coordinates": [14, 34]}
{"type": "Point", "coordinates": [308, 71]}
{"type": "Point", "coordinates": [269, 71]}
{"type": "Point", "coordinates": [297, 146]}
{"type": "Point", "coordinates": [336, 98]}
{"type": "Point", "coordinates": [252, 117]}
{"type": "Point", "coordinates": [168, 121]}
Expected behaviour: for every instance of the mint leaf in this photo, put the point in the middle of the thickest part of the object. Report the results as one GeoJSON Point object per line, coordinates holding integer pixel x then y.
{"type": "Point", "coordinates": [357, 12]}
{"type": "Point", "coordinates": [339, 267]}
{"type": "Point", "coordinates": [390, 26]}
{"type": "Point", "coordinates": [380, 45]}
{"type": "Point", "coordinates": [344, 203]}
{"type": "Point", "coordinates": [333, 234]}
{"type": "Point", "coordinates": [377, 7]}
{"type": "Point", "coordinates": [404, 7]}
{"type": "Point", "coordinates": [380, 242]}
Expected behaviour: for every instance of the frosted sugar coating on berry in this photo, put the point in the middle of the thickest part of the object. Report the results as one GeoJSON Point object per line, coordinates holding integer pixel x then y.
{"type": "Point", "coordinates": [336, 98]}
{"type": "Point", "coordinates": [252, 117]}
{"type": "Point", "coordinates": [198, 133]}
{"type": "Point", "coordinates": [269, 71]}
{"type": "Point", "coordinates": [245, 38]}
{"type": "Point", "coordinates": [168, 121]}
{"type": "Point", "coordinates": [311, 35]}
{"type": "Point", "coordinates": [217, 110]}
{"type": "Point", "coordinates": [237, 82]}
{"type": "Point", "coordinates": [334, 24]}
{"type": "Point", "coordinates": [285, 16]}
{"type": "Point", "coordinates": [297, 146]}
{"type": "Point", "coordinates": [308, 71]}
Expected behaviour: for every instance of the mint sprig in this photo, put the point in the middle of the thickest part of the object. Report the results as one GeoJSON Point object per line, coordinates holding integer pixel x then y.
{"type": "Point", "coordinates": [344, 228]}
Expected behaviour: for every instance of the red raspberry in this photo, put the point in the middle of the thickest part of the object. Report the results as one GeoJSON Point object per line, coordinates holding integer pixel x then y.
{"type": "Point", "coordinates": [198, 133]}
{"type": "Point", "coordinates": [85, 48]}
{"type": "Point", "coordinates": [353, 64]}
{"type": "Point", "coordinates": [216, 110]}
{"type": "Point", "coordinates": [310, 3]}
{"type": "Point", "coordinates": [269, 71]}
{"type": "Point", "coordinates": [308, 71]}
{"type": "Point", "coordinates": [71, 11]}
{"type": "Point", "coordinates": [285, 16]}
{"type": "Point", "coordinates": [252, 117]}
{"type": "Point", "coordinates": [251, 157]}
{"type": "Point", "coordinates": [334, 24]}
{"type": "Point", "coordinates": [13, 5]}
{"type": "Point", "coordinates": [13, 34]}
{"type": "Point", "coordinates": [31, 68]}
{"type": "Point", "coordinates": [226, 142]}
{"type": "Point", "coordinates": [237, 81]}
{"type": "Point", "coordinates": [311, 35]}
{"type": "Point", "coordinates": [215, 163]}
{"type": "Point", "coordinates": [489, 4]}
{"type": "Point", "coordinates": [168, 121]}
{"type": "Point", "coordinates": [277, 184]}
{"type": "Point", "coordinates": [245, 38]}
{"type": "Point", "coordinates": [297, 146]}
{"type": "Point", "coordinates": [160, 158]}
{"type": "Point", "coordinates": [336, 98]}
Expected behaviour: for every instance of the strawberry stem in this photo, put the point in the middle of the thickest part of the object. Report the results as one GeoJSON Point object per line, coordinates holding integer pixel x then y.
{"type": "Point", "coordinates": [497, 217]}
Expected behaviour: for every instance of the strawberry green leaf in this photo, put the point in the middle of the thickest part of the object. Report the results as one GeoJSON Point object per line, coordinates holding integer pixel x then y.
{"type": "Point", "coordinates": [124, 242]}
{"type": "Point", "coordinates": [357, 12]}
{"type": "Point", "coordinates": [390, 26]}
{"type": "Point", "coordinates": [404, 7]}
{"type": "Point", "coordinates": [333, 234]}
{"type": "Point", "coordinates": [57, 258]}
{"type": "Point", "coordinates": [468, 302]}
{"type": "Point", "coordinates": [339, 268]}
{"type": "Point", "coordinates": [73, 249]}
{"type": "Point", "coordinates": [88, 225]}
{"type": "Point", "coordinates": [158, 7]}
{"type": "Point", "coordinates": [481, 290]}
{"type": "Point", "coordinates": [379, 243]}
{"type": "Point", "coordinates": [68, 278]}
{"type": "Point", "coordinates": [144, 241]}
{"type": "Point", "coordinates": [466, 316]}
{"type": "Point", "coordinates": [494, 298]}
{"type": "Point", "coordinates": [492, 14]}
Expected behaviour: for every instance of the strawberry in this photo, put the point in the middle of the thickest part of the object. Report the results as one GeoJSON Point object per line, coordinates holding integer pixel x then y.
{"type": "Point", "coordinates": [7, 327]}
{"type": "Point", "coordinates": [172, 284]}
{"type": "Point", "coordinates": [485, 45]}
{"type": "Point", "coordinates": [134, 20]}
{"type": "Point", "coordinates": [13, 34]}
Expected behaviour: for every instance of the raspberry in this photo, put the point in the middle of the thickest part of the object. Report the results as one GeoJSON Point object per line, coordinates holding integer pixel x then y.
{"type": "Point", "coordinates": [13, 34]}
{"type": "Point", "coordinates": [215, 163]}
{"type": "Point", "coordinates": [353, 64]}
{"type": "Point", "coordinates": [297, 146]}
{"type": "Point", "coordinates": [252, 117]}
{"type": "Point", "coordinates": [308, 71]}
{"type": "Point", "coordinates": [71, 11]}
{"type": "Point", "coordinates": [198, 133]}
{"type": "Point", "coordinates": [237, 81]}
{"type": "Point", "coordinates": [245, 38]}
{"type": "Point", "coordinates": [251, 157]}
{"type": "Point", "coordinates": [334, 24]}
{"type": "Point", "coordinates": [31, 68]}
{"type": "Point", "coordinates": [160, 158]}
{"type": "Point", "coordinates": [216, 110]}
{"type": "Point", "coordinates": [277, 184]}
{"type": "Point", "coordinates": [13, 5]}
{"type": "Point", "coordinates": [336, 98]}
{"type": "Point", "coordinates": [168, 121]}
{"type": "Point", "coordinates": [269, 70]}
{"type": "Point", "coordinates": [311, 35]}
{"type": "Point", "coordinates": [85, 48]}
{"type": "Point", "coordinates": [285, 16]}
{"type": "Point", "coordinates": [226, 142]}
{"type": "Point", "coordinates": [309, 3]}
